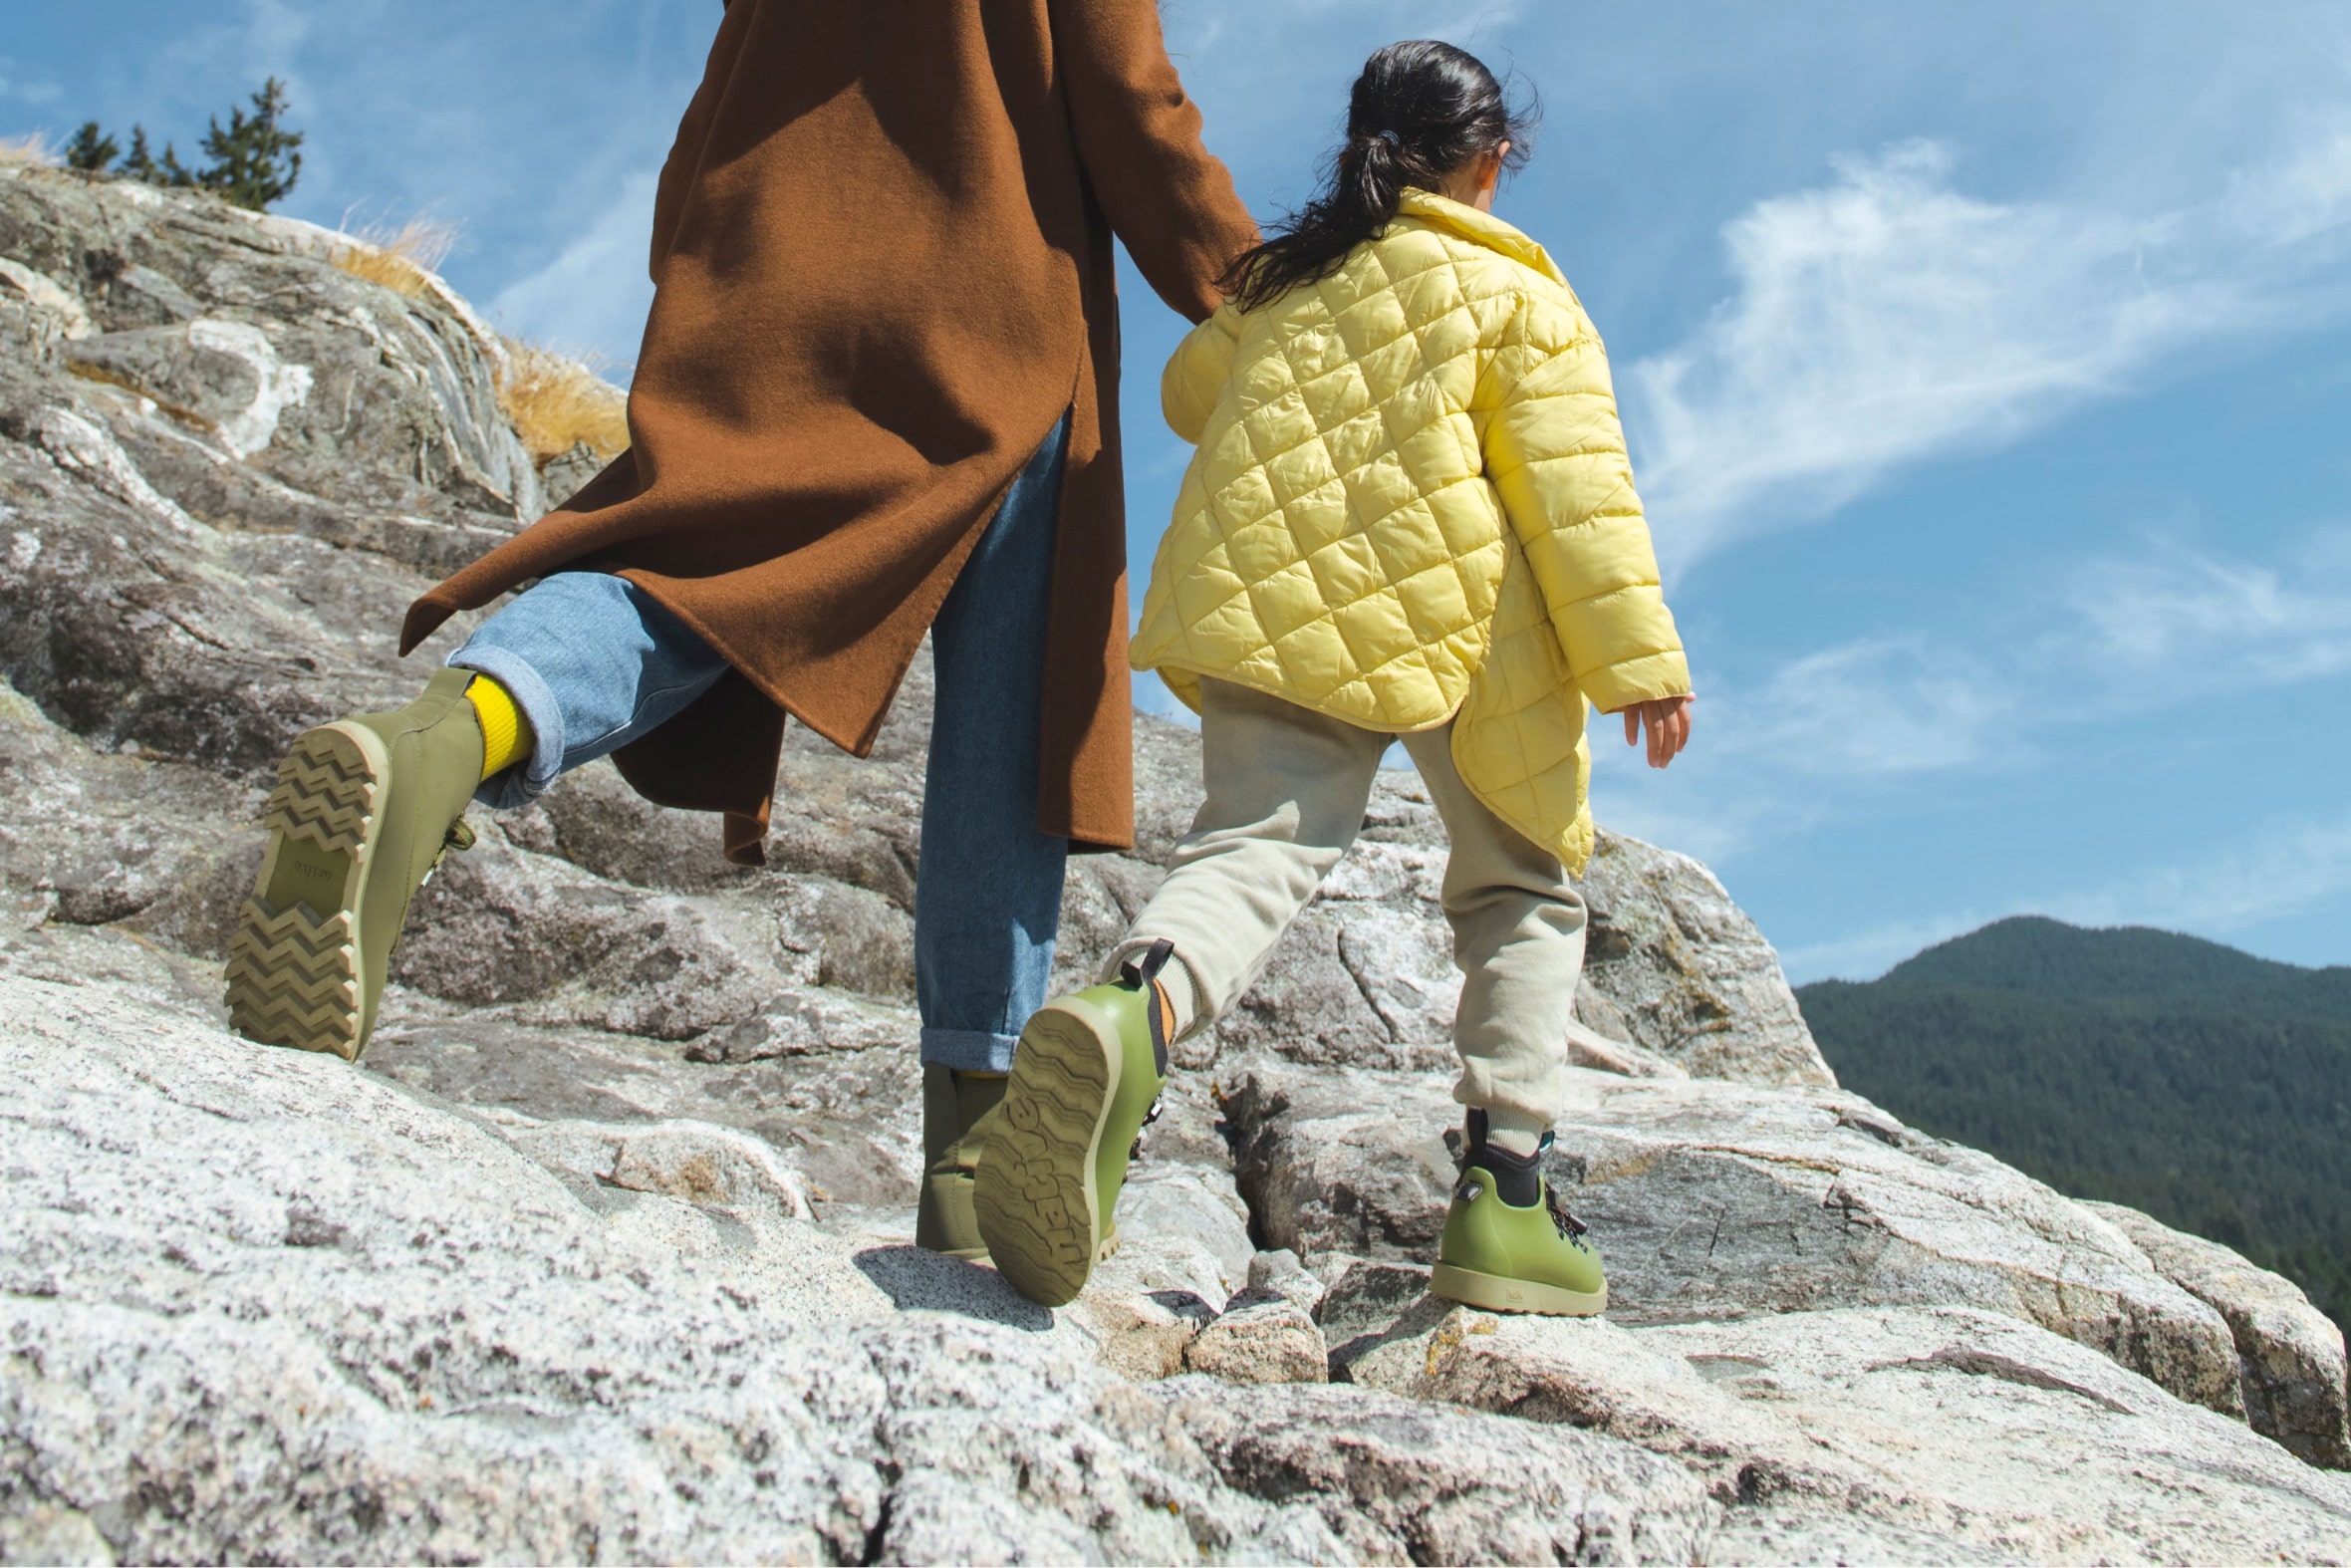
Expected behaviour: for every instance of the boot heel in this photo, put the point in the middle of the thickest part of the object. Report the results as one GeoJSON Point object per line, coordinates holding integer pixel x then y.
{"type": "Point", "coordinates": [1034, 1199]}
{"type": "Point", "coordinates": [293, 976]}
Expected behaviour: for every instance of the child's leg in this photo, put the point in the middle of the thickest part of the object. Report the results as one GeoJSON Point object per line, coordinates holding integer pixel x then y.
{"type": "Point", "coordinates": [1518, 936]}
{"type": "Point", "coordinates": [1286, 789]}
{"type": "Point", "coordinates": [1286, 796]}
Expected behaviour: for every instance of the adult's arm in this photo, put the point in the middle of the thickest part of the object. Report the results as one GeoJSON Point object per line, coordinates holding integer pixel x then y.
{"type": "Point", "coordinates": [684, 164]}
{"type": "Point", "coordinates": [1139, 139]}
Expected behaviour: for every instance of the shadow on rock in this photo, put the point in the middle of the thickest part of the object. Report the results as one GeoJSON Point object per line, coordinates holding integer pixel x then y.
{"type": "Point", "coordinates": [915, 1281]}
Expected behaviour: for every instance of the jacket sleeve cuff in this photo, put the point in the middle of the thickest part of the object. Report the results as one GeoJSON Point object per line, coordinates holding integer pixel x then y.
{"type": "Point", "coordinates": [1649, 679]}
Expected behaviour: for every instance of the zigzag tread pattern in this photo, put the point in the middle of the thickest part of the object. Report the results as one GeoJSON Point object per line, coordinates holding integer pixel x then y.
{"type": "Point", "coordinates": [293, 981]}
{"type": "Point", "coordinates": [325, 792]}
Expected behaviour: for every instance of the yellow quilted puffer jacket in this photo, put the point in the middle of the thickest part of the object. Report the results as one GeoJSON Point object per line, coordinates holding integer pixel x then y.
{"type": "Point", "coordinates": [1412, 502]}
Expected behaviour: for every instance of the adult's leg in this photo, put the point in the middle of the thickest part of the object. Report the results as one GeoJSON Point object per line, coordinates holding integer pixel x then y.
{"type": "Point", "coordinates": [366, 807]}
{"type": "Point", "coordinates": [1518, 936]}
{"type": "Point", "coordinates": [988, 901]}
{"type": "Point", "coordinates": [593, 661]}
{"type": "Point", "coordinates": [1286, 790]}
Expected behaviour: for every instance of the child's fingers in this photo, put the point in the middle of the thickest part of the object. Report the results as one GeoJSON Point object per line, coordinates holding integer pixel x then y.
{"type": "Point", "coordinates": [1632, 725]}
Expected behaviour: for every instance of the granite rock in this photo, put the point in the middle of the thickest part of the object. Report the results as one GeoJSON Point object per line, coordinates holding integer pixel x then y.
{"type": "Point", "coordinates": [1718, 1200]}
{"type": "Point", "coordinates": [2290, 1353]}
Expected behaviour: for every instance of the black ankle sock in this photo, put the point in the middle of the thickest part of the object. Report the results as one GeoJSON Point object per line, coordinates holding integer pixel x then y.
{"type": "Point", "coordinates": [1518, 1179]}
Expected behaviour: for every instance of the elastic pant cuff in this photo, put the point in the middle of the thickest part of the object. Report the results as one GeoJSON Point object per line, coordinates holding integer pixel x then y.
{"type": "Point", "coordinates": [520, 785]}
{"type": "Point", "coordinates": [969, 1050]}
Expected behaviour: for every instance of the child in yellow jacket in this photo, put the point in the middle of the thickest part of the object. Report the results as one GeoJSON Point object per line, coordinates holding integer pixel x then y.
{"type": "Point", "coordinates": [1411, 517]}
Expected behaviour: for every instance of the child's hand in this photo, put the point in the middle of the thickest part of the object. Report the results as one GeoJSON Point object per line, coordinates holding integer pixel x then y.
{"type": "Point", "coordinates": [1667, 719]}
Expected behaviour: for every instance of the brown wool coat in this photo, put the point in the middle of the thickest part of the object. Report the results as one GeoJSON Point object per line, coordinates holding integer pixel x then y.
{"type": "Point", "coordinates": [882, 251]}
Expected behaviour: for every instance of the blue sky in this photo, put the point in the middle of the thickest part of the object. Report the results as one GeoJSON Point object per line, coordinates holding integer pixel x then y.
{"type": "Point", "coordinates": [1987, 368]}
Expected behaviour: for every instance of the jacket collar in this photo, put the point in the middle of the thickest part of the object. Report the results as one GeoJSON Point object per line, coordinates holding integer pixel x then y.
{"type": "Point", "coordinates": [1479, 228]}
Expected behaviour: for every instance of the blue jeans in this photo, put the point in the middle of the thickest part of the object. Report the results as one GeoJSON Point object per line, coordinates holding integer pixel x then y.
{"type": "Point", "coordinates": [595, 664]}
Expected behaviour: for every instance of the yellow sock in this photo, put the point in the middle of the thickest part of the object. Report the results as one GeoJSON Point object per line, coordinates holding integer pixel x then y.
{"type": "Point", "coordinates": [506, 736]}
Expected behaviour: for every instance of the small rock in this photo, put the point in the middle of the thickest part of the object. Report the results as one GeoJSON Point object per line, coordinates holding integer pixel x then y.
{"type": "Point", "coordinates": [1406, 1482]}
{"type": "Point", "coordinates": [1280, 1273]}
{"type": "Point", "coordinates": [1261, 1337]}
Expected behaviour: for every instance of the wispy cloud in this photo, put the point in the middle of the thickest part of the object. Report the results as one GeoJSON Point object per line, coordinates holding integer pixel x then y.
{"type": "Point", "coordinates": [40, 94]}
{"type": "Point", "coordinates": [2271, 874]}
{"type": "Point", "coordinates": [2192, 623]}
{"type": "Point", "coordinates": [2120, 637]}
{"type": "Point", "coordinates": [1875, 708]}
{"type": "Point", "coordinates": [594, 295]}
{"type": "Point", "coordinates": [1887, 318]}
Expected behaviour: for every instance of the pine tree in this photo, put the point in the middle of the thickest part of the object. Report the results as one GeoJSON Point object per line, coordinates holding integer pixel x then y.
{"type": "Point", "coordinates": [141, 162]}
{"type": "Point", "coordinates": [255, 161]}
{"type": "Point", "coordinates": [92, 149]}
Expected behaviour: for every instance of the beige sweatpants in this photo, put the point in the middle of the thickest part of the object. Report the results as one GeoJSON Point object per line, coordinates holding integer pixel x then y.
{"type": "Point", "coordinates": [1287, 789]}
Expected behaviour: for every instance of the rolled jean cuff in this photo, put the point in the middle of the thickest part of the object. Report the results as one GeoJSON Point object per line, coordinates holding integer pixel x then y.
{"type": "Point", "coordinates": [526, 782]}
{"type": "Point", "coordinates": [969, 1050]}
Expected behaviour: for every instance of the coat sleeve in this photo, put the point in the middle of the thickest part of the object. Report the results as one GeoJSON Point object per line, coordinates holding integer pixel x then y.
{"type": "Point", "coordinates": [1139, 138]}
{"type": "Point", "coordinates": [1197, 374]}
{"type": "Point", "coordinates": [1556, 455]}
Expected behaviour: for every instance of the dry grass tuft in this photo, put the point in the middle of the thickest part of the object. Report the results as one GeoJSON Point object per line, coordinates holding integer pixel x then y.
{"type": "Point", "coordinates": [557, 403]}
{"type": "Point", "coordinates": [404, 259]}
{"type": "Point", "coordinates": [31, 152]}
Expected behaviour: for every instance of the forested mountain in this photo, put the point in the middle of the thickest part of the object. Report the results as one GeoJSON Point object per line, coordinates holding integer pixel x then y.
{"type": "Point", "coordinates": [2205, 1086]}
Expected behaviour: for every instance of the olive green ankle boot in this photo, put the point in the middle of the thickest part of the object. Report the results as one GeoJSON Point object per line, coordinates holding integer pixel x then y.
{"type": "Point", "coordinates": [1083, 1080]}
{"type": "Point", "coordinates": [363, 811]}
{"type": "Point", "coordinates": [959, 1115]}
{"type": "Point", "coordinates": [1509, 1245]}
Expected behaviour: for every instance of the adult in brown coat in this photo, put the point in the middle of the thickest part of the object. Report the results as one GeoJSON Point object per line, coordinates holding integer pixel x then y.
{"type": "Point", "coordinates": [884, 252]}
{"type": "Point", "coordinates": [879, 392]}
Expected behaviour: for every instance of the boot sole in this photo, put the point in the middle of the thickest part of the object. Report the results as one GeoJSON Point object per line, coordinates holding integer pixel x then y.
{"type": "Point", "coordinates": [1497, 1294]}
{"type": "Point", "coordinates": [294, 964]}
{"type": "Point", "coordinates": [1035, 1200]}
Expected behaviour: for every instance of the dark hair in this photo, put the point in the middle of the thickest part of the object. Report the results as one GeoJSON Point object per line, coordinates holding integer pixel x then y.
{"type": "Point", "coordinates": [1420, 110]}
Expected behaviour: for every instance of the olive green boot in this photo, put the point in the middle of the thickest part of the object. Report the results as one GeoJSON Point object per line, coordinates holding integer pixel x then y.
{"type": "Point", "coordinates": [363, 811]}
{"type": "Point", "coordinates": [959, 1115]}
{"type": "Point", "coordinates": [1509, 1245]}
{"type": "Point", "coordinates": [1083, 1080]}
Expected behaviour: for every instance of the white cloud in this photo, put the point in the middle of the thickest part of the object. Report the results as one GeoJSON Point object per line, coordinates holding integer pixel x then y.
{"type": "Point", "coordinates": [2180, 623]}
{"type": "Point", "coordinates": [1866, 954]}
{"type": "Point", "coordinates": [1879, 707]}
{"type": "Point", "coordinates": [594, 297]}
{"type": "Point", "coordinates": [1887, 319]}
{"type": "Point", "coordinates": [2274, 875]}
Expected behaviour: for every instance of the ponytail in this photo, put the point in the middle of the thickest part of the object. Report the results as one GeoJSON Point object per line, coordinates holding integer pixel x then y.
{"type": "Point", "coordinates": [1419, 111]}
